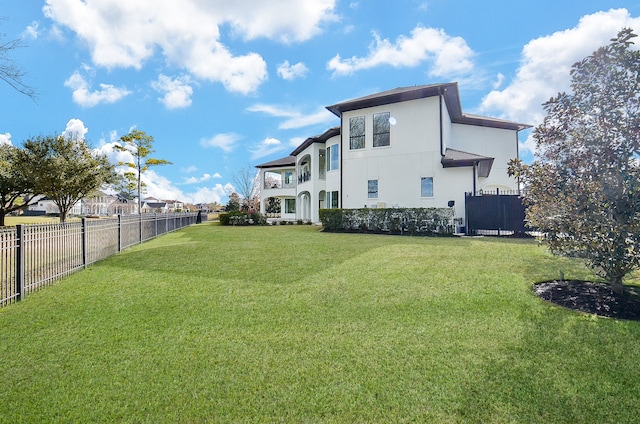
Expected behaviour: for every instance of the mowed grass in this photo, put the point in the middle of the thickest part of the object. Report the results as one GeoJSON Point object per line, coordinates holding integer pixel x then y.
{"type": "Point", "coordinates": [289, 324]}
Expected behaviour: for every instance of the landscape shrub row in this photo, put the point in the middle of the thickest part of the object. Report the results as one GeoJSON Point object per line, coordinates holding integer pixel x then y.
{"type": "Point", "coordinates": [411, 221]}
{"type": "Point", "coordinates": [242, 218]}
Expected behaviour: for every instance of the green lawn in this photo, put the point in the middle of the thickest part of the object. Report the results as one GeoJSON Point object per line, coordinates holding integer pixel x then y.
{"type": "Point", "coordinates": [289, 324]}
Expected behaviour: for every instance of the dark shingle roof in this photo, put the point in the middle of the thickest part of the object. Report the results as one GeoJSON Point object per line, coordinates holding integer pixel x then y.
{"type": "Point", "coordinates": [456, 158]}
{"type": "Point", "coordinates": [286, 161]}
{"type": "Point", "coordinates": [448, 90]}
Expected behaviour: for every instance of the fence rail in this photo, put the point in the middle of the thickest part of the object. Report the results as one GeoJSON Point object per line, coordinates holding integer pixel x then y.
{"type": "Point", "coordinates": [34, 256]}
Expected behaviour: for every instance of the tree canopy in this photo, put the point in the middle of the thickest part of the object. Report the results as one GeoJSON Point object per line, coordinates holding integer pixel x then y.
{"type": "Point", "coordinates": [16, 189]}
{"type": "Point", "coordinates": [140, 145]}
{"type": "Point", "coordinates": [583, 188]}
{"type": "Point", "coordinates": [64, 169]}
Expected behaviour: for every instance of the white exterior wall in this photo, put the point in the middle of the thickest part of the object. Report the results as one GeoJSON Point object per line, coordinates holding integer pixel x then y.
{"type": "Point", "coordinates": [493, 142]}
{"type": "Point", "coordinates": [414, 152]}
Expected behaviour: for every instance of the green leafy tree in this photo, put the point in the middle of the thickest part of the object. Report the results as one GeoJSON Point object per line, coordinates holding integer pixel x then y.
{"type": "Point", "coordinates": [140, 145]}
{"type": "Point", "coordinates": [64, 169]}
{"type": "Point", "coordinates": [583, 188]}
{"type": "Point", "coordinates": [234, 202]}
{"type": "Point", "coordinates": [16, 189]}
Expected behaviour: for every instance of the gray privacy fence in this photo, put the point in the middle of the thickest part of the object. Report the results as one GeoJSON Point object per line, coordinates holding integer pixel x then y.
{"type": "Point", "coordinates": [34, 256]}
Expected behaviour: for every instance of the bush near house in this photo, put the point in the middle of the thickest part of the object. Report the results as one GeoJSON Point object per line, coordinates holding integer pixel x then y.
{"type": "Point", "coordinates": [411, 221]}
{"type": "Point", "coordinates": [242, 218]}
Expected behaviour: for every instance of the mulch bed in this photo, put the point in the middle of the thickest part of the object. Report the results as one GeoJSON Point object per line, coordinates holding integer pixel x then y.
{"type": "Point", "coordinates": [591, 297]}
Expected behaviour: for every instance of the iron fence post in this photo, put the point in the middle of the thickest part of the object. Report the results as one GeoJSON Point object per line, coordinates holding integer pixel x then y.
{"type": "Point", "coordinates": [20, 261]}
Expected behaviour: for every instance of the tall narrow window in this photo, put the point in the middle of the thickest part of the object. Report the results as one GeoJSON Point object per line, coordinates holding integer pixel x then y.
{"type": "Point", "coordinates": [426, 187]}
{"type": "Point", "coordinates": [334, 199]}
{"type": "Point", "coordinates": [332, 162]}
{"type": "Point", "coordinates": [381, 129]}
{"type": "Point", "coordinates": [356, 133]}
{"type": "Point", "coordinates": [372, 189]}
{"type": "Point", "coordinates": [322, 164]}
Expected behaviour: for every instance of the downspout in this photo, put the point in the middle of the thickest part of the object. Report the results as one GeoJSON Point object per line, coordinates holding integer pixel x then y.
{"type": "Point", "coordinates": [440, 96]}
{"type": "Point", "coordinates": [475, 167]}
{"type": "Point", "coordinates": [518, 157]}
{"type": "Point", "coordinates": [341, 163]}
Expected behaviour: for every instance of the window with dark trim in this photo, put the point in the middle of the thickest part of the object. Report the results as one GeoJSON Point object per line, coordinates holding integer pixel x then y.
{"type": "Point", "coordinates": [381, 129]}
{"type": "Point", "coordinates": [356, 133]}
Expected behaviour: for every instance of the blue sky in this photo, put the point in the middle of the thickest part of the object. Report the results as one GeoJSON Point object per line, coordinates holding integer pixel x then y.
{"type": "Point", "coordinates": [222, 85]}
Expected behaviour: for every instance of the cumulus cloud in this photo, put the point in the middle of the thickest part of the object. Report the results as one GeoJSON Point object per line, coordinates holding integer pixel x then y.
{"type": "Point", "coordinates": [292, 118]}
{"type": "Point", "coordinates": [227, 141]}
{"type": "Point", "coordinates": [83, 95]}
{"type": "Point", "coordinates": [124, 33]}
{"type": "Point", "coordinates": [447, 55]}
{"type": "Point", "coordinates": [546, 63]}
{"type": "Point", "coordinates": [289, 72]}
{"type": "Point", "coordinates": [177, 91]}
{"type": "Point", "coordinates": [5, 138]}
{"type": "Point", "coordinates": [267, 147]}
{"type": "Point", "coordinates": [75, 129]}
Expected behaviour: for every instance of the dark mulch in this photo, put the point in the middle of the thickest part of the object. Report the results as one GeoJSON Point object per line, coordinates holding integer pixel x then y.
{"type": "Point", "coordinates": [591, 297]}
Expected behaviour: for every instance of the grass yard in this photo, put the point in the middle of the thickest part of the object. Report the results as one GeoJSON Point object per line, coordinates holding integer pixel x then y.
{"type": "Point", "coordinates": [12, 221]}
{"type": "Point", "coordinates": [289, 324]}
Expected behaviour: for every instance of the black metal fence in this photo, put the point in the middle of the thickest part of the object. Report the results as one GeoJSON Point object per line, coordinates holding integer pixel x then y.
{"type": "Point", "coordinates": [496, 213]}
{"type": "Point", "coordinates": [33, 256]}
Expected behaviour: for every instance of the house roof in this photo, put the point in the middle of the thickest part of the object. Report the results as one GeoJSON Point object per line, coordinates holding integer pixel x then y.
{"type": "Point", "coordinates": [331, 132]}
{"type": "Point", "coordinates": [286, 161]}
{"type": "Point", "coordinates": [291, 160]}
{"type": "Point", "coordinates": [448, 90]}
{"type": "Point", "coordinates": [457, 158]}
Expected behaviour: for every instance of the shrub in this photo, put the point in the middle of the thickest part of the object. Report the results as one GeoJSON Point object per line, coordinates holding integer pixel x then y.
{"type": "Point", "coordinates": [418, 221]}
{"type": "Point", "coordinates": [242, 218]}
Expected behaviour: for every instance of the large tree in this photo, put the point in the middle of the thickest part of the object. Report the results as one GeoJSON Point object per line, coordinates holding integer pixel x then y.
{"type": "Point", "coordinates": [140, 145]}
{"type": "Point", "coordinates": [583, 188]}
{"type": "Point", "coordinates": [65, 169]}
{"type": "Point", "coordinates": [246, 183]}
{"type": "Point", "coordinates": [16, 189]}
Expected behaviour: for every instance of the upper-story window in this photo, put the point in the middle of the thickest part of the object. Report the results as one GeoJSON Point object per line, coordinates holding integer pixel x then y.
{"type": "Point", "coordinates": [381, 129]}
{"type": "Point", "coordinates": [332, 153]}
{"type": "Point", "coordinates": [356, 132]}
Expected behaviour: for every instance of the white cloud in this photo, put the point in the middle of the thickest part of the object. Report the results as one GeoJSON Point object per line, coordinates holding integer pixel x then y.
{"type": "Point", "coordinates": [294, 119]}
{"type": "Point", "coordinates": [200, 179]}
{"type": "Point", "coordinates": [267, 147]}
{"type": "Point", "coordinates": [125, 33]}
{"type": "Point", "coordinates": [83, 95]}
{"type": "Point", "coordinates": [546, 63]}
{"type": "Point", "coordinates": [447, 55]}
{"type": "Point", "coordinates": [31, 31]}
{"type": "Point", "coordinates": [226, 141]}
{"type": "Point", "coordinates": [289, 72]}
{"type": "Point", "coordinates": [75, 129]}
{"type": "Point", "coordinates": [177, 91]}
{"type": "Point", "coordinates": [5, 138]}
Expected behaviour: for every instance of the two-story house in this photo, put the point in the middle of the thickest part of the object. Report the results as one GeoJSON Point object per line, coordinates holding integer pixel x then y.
{"type": "Point", "coordinates": [407, 147]}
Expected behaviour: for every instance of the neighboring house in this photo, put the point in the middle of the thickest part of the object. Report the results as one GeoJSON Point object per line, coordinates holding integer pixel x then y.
{"type": "Point", "coordinates": [47, 206]}
{"type": "Point", "coordinates": [100, 204]}
{"type": "Point", "coordinates": [407, 147]}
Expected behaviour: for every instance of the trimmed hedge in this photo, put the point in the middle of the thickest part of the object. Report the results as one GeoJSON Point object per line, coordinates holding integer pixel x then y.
{"type": "Point", "coordinates": [411, 221]}
{"type": "Point", "coordinates": [242, 218]}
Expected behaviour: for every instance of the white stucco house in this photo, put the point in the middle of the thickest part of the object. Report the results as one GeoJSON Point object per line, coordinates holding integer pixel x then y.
{"type": "Point", "coordinates": [407, 147]}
